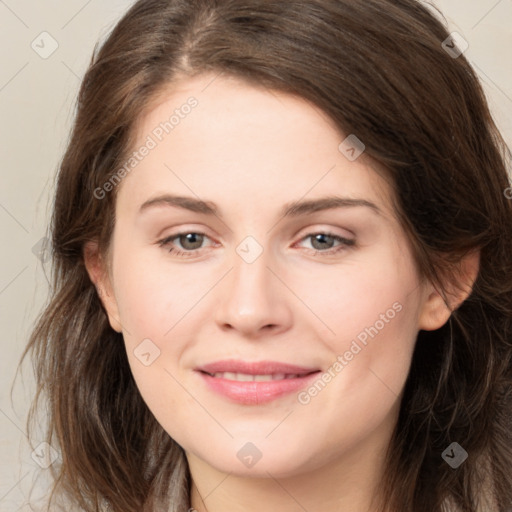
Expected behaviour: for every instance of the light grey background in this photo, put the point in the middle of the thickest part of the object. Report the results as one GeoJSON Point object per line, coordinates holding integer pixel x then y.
{"type": "Point", "coordinates": [37, 104]}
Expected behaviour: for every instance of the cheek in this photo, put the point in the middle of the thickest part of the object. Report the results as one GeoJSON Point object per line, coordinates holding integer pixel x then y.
{"type": "Point", "coordinates": [372, 312]}
{"type": "Point", "coordinates": [156, 306]}
{"type": "Point", "coordinates": [152, 307]}
{"type": "Point", "coordinates": [153, 297]}
{"type": "Point", "coordinates": [362, 293]}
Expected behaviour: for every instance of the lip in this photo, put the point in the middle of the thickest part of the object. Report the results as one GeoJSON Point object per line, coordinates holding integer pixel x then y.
{"type": "Point", "coordinates": [255, 392]}
{"type": "Point", "coordinates": [254, 367]}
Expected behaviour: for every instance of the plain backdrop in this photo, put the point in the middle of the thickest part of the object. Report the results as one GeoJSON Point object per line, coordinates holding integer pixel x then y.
{"type": "Point", "coordinates": [37, 95]}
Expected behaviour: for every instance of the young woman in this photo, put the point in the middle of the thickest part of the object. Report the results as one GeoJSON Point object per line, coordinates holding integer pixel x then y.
{"type": "Point", "coordinates": [282, 244]}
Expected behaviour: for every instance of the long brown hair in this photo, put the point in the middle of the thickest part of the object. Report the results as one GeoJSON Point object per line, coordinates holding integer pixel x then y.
{"type": "Point", "coordinates": [378, 69]}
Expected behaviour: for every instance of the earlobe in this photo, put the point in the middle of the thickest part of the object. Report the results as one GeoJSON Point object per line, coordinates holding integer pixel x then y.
{"type": "Point", "coordinates": [98, 273]}
{"type": "Point", "coordinates": [437, 308]}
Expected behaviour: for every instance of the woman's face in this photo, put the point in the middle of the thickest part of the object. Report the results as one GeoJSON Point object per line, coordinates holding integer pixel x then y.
{"type": "Point", "coordinates": [264, 278]}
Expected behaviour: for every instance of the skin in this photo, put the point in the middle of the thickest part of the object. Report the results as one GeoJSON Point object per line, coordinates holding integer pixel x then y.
{"type": "Point", "coordinates": [250, 151]}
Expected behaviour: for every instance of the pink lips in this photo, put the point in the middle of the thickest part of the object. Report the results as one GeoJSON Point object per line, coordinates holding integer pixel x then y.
{"type": "Point", "coordinates": [291, 378]}
{"type": "Point", "coordinates": [254, 368]}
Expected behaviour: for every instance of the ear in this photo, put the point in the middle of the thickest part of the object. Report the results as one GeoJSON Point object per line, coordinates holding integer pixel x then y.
{"type": "Point", "coordinates": [437, 309]}
{"type": "Point", "coordinates": [98, 273]}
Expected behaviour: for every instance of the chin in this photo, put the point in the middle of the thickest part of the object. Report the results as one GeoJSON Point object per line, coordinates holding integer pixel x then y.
{"type": "Point", "coordinates": [252, 460]}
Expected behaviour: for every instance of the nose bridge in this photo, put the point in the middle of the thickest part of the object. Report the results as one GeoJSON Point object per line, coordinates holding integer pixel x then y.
{"type": "Point", "coordinates": [251, 280]}
{"type": "Point", "coordinates": [250, 299]}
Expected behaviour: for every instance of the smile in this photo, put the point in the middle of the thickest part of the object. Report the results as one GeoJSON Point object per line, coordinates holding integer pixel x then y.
{"type": "Point", "coordinates": [257, 389]}
{"type": "Point", "coordinates": [246, 377]}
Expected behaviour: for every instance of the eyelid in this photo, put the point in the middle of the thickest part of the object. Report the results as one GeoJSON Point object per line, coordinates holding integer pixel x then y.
{"type": "Point", "coordinates": [330, 230]}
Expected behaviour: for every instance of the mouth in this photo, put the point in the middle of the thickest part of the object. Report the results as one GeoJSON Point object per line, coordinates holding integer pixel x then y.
{"type": "Point", "coordinates": [247, 377]}
{"type": "Point", "coordinates": [257, 368]}
{"type": "Point", "coordinates": [254, 383]}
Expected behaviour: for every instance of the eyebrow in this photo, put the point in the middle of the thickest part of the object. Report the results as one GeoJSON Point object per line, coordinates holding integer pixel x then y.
{"type": "Point", "coordinates": [292, 209]}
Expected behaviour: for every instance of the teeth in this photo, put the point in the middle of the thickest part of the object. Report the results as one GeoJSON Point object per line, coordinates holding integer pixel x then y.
{"type": "Point", "coordinates": [245, 377]}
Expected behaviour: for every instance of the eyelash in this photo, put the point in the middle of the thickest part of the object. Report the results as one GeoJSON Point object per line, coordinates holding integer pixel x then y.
{"type": "Point", "coordinates": [345, 243]}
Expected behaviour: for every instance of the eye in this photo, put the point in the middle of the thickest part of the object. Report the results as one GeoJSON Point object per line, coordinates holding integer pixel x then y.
{"type": "Point", "coordinates": [192, 241]}
{"type": "Point", "coordinates": [324, 240]}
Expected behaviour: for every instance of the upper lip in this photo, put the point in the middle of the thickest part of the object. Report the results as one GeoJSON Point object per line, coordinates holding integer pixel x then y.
{"type": "Point", "coordinates": [255, 367]}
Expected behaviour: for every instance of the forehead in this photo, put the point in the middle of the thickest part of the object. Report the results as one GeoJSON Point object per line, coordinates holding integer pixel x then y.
{"type": "Point", "coordinates": [224, 102]}
{"type": "Point", "coordinates": [219, 136]}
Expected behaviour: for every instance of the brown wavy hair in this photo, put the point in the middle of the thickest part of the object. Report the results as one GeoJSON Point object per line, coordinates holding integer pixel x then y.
{"type": "Point", "coordinates": [378, 69]}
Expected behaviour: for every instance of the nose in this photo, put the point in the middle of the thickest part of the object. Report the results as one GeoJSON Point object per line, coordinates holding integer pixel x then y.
{"type": "Point", "coordinates": [253, 299]}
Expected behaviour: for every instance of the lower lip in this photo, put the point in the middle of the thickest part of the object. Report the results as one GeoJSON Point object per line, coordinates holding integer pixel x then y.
{"type": "Point", "coordinates": [256, 392]}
